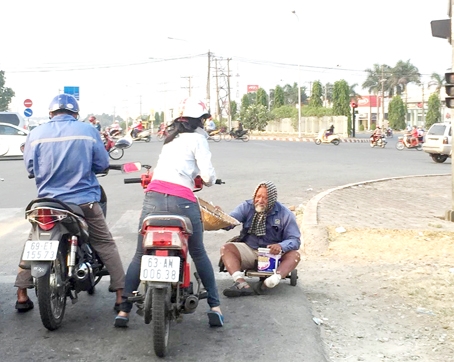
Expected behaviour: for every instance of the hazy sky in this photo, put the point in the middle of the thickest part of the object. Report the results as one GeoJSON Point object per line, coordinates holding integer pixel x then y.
{"type": "Point", "coordinates": [119, 53]}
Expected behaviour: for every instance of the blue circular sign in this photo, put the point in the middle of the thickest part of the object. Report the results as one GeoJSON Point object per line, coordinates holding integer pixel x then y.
{"type": "Point", "coordinates": [28, 112]}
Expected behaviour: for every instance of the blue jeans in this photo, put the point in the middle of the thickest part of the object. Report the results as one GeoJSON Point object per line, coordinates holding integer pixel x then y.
{"type": "Point", "coordinates": [153, 202]}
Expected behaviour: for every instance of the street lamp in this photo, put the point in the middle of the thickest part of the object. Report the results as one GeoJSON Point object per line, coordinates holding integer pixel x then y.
{"type": "Point", "coordinates": [299, 87]}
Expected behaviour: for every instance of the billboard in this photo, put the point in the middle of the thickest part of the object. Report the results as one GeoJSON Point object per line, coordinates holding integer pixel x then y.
{"type": "Point", "coordinates": [252, 88]}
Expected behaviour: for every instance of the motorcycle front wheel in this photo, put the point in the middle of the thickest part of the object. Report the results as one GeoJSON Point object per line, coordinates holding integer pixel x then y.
{"type": "Point", "coordinates": [318, 141]}
{"type": "Point", "coordinates": [161, 137]}
{"type": "Point", "coordinates": [116, 153]}
{"type": "Point", "coordinates": [51, 290]}
{"type": "Point", "coordinates": [161, 321]}
{"type": "Point", "coordinates": [216, 137]}
{"type": "Point", "coordinates": [228, 137]}
{"type": "Point", "coordinates": [400, 146]}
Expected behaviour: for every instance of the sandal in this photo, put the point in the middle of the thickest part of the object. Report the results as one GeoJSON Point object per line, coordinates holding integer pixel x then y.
{"type": "Point", "coordinates": [23, 307]}
{"type": "Point", "coordinates": [215, 319]}
{"type": "Point", "coordinates": [121, 322]}
{"type": "Point", "coordinates": [239, 290]}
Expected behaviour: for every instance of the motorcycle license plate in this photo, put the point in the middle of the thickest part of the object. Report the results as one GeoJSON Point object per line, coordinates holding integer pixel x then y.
{"type": "Point", "coordinates": [42, 250]}
{"type": "Point", "coordinates": [160, 268]}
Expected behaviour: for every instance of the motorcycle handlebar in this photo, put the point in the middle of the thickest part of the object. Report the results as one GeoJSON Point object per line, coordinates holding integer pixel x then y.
{"type": "Point", "coordinates": [133, 180]}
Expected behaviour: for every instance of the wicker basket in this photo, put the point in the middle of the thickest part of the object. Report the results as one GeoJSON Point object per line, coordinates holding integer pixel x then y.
{"type": "Point", "coordinates": [214, 219]}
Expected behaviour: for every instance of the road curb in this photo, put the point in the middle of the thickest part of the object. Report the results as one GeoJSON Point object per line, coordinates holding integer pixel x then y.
{"type": "Point", "coordinates": [315, 236]}
{"type": "Point", "coordinates": [304, 139]}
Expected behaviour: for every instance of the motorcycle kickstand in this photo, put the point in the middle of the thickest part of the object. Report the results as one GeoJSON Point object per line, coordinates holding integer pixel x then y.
{"type": "Point", "coordinates": [73, 296]}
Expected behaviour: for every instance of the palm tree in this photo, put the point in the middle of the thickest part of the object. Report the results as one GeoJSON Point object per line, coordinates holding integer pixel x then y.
{"type": "Point", "coordinates": [353, 94]}
{"type": "Point", "coordinates": [438, 81]}
{"type": "Point", "coordinates": [402, 74]}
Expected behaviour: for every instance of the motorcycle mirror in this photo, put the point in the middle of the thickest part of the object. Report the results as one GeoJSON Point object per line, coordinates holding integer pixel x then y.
{"type": "Point", "coordinates": [131, 167]}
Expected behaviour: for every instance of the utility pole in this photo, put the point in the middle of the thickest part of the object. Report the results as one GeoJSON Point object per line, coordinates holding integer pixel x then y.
{"type": "Point", "coordinates": [229, 109]}
{"type": "Point", "coordinates": [218, 106]}
{"type": "Point", "coordinates": [189, 80]}
{"type": "Point", "coordinates": [382, 97]}
{"type": "Point", "coordinates": [208, 82]}
{"type": "Point", "coordinates": [423, 115]}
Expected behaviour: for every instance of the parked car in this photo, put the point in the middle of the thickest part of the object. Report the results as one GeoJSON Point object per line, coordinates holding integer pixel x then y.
{"type": "Point", "coordinates": [13, 118]}
{"type": "Point", "coordinates": [12, 140]}
{"type": "Point", "coordinates": [438, 142]}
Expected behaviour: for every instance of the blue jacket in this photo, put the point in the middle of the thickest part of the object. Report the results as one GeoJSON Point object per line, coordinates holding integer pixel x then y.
{"type": "Point", "coordinates": [281, 227]}
{"type": "Point", "coordinates": [64, 155]}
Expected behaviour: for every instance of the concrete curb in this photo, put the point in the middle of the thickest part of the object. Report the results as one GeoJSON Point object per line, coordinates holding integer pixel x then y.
{"type": "Point", "coordinates": [304, 139]}
{"type": "Point", "coordinates": [315, 236]}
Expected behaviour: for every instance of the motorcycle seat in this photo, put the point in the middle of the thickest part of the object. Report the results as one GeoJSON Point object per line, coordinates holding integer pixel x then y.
{"type": "Point", "coordinates": [74, 208]}
{"type": "Point", "coordinates": [168, 219]}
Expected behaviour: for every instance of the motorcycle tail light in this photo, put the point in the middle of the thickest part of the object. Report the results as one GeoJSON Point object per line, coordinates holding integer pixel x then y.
{"type": "Point", "coordinates": [46, 218]}
{"type": "Point", "coordinates": [187, 275]}
{"type": "Point", "coordinates": [159, 237]}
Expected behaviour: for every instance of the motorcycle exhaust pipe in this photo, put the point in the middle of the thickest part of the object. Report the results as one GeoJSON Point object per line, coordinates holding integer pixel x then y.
{"type": "Point", "coordinates": [83, 271]}
{"type": "Point", "coordinates": [190, 304]}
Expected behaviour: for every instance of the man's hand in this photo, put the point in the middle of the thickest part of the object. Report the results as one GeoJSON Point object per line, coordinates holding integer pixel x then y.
{"type": "Point", "coordinates": [275, 249]}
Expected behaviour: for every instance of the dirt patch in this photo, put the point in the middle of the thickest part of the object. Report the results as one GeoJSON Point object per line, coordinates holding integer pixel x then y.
{"type": "Point", "coordinates": [384, 295]}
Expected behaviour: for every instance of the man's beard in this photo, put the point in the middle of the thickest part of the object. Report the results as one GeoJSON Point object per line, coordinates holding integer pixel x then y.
{"type": "Point", "coordinates": [260, 208]}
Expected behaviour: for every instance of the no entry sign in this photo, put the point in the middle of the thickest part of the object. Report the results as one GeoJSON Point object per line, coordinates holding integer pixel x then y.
{"type": "Point", "coordinates": [28, 103]}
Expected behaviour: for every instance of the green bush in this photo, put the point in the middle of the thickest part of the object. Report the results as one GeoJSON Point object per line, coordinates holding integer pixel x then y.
{"type": "Point", "coordinates": [361, 127]}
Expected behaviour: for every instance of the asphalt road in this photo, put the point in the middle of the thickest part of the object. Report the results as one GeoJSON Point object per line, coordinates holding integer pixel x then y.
{"type": "Point", "coordinates": [266, 328]}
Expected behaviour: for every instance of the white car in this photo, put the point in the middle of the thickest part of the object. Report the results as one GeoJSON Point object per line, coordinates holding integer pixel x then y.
{"type": "Point", "coordinates": [437, 142]}
{"type": "Point", "coordinates": [12, 139]}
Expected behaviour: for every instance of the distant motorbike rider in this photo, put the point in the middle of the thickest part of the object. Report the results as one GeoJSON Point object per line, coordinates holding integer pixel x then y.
{"type": "Point", "coordinates": [137, 129]}
{"type": "Point", "coordinates": [239, 131]}
{"type": "Point", "coordinates": [210, 126]}
{"type": "Point", "coordinates": [95, 123]}
{"type": "Point", "coordinates": [376, 135]}
{"type": "Point", "coordinates": [329, 131]}
{"type": "Point", "coordinates": [414, 136]}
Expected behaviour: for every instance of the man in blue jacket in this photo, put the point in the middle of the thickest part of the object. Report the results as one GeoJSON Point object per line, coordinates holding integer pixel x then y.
{"type": "Point", "coordinates": [266, 224]}
{"type": "Point", "coordinates": [64, 156]}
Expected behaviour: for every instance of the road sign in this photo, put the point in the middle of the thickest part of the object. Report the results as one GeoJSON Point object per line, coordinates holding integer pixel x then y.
{"type": "Point", "coordinates": [74, 91]}
{"type": "Point", "coordinates": [28, 112]}
{"type": "Point", "coordinates": [28, 103]}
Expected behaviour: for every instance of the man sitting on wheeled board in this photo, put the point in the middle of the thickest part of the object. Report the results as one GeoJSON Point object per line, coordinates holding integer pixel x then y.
{"type": "Point", "coordinates": [266, 224]}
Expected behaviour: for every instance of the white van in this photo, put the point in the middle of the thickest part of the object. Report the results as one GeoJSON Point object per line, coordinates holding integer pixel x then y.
{"type": "Point", "coordinates": [437, 142]}
{"type": "Point", "coordinates": [13, 118]}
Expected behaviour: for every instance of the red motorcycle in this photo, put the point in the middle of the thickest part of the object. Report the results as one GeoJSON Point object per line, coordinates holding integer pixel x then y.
{"type": "Point", "coordinates": [162, 134]}
{"type": "Point", "coordinates": [170, 287]}
{"type": "Point", "coordinates": [115, 153]}
{"type": "Point", "coordinates": [405, 142]}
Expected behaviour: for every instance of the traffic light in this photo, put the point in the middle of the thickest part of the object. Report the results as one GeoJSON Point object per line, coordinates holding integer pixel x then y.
{"type": "Point", "coordinates": [354, 106]}
{"type": "Point", "coordinates": [449, 88]}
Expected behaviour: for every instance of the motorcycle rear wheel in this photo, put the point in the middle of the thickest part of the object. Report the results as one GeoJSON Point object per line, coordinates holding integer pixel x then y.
{"type": "Point", "coordinates": [245, 138]}
{"type": "Point", "coordinates": [335, 142]}
{"type": "Point", "coordinates": [51, 290]}
{"type": "Point", "coordinates": [161, 321]}
{"type": "Point", "coordinates": [372, 144]}
{"type": "Point", "coordinates": [116, 153]}
{"type": "Point", "coordinates": [147, 139]}
{"type": "Point", "coordinates": [400, 146]}
{"type": "Point", "coordinates": [147, 305]}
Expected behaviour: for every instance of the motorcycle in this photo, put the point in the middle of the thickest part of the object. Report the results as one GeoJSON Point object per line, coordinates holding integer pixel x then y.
{"type": "Point", "coordinates": [238, 135]}
{"type": "Point", "coordinates": [144, 135]}
{"type": "Point", "coordinates": [389, 132]}
{"type": "Point", "coordinates": [59, 254]}
{"type": "Point", "coordinates": [322, 138]}
{"type": "Point", "coordinates": [379, 141]}
{"type": "Point", "coordinates": [115, 153]}
{"type": "Point", "coordinates": [162, 134]}
{"type": "Point", "coordinates": [405, 142]}
{"type": "Point", "coordinates": [214, 135]}
{"type": "Point", "coordinates": [170, 287]}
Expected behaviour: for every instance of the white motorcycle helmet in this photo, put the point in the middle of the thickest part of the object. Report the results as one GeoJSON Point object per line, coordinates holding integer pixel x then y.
{"type": "Point", "coordinates": [192, 108]}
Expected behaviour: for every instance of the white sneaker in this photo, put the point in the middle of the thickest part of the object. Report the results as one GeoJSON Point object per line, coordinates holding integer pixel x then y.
{"type": "Point", "coordinates": [272, 280]}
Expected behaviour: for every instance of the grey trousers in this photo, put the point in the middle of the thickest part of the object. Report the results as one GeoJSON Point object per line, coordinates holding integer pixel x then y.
{"type": "Point", "coordinates": [101, 240]}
